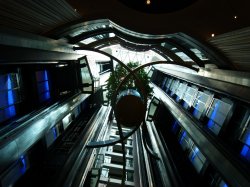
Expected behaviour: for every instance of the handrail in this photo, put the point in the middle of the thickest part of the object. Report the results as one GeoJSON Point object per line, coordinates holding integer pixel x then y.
{"type": "Point", "coordinates": [18, 141]}
{"type": "Point", "coordinates": [231, 168]}
{"type": "Point", "coordinates": [74, 173]}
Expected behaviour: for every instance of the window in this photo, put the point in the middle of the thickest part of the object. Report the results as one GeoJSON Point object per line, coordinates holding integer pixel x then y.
{"type": "Point", "coordinates": [105, 172]}
{"type": "Point", "coordinates": [185, 141]}
{"type": "Point", "coordinates": [43, 85]}
{"type": "Point", "coordinates": [222, 184]}
{"type": "Point", "coordinates": [181, 91]}
{"type": "Point", "coordinates": [9, 95]}
{"type": "Point", "coordinates": [129, 162]}
{"type": "Point", "coordinates": [86, 76]}
{"type": "Point", "coordinates": [197, 158]}
{"type": "Point", "coordinates": [200, 104]}
{"type": "Point", "coordinates": [129, 176]}
{"type": "Point", "coordinates": [189, 96]}
{"type": "Point", "coordinates": [174, 86]}
{"type": "Point", "coordinates": [217, 114]}
{"type": "Point", "coordinates": [245, 139]}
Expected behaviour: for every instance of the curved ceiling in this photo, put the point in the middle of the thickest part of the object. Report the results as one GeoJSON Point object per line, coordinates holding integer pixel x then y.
{"type": "Point", "coordinates": [157, 6]}
{"type": "Point", "coordinates": [199, 19]}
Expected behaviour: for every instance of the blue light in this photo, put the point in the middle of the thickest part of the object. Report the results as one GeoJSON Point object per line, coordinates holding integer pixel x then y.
{"type": "Point", "coordinates": [196, 151]}
{"type": "Point", "coordinates": [45, 75]}
{"type": "Point", "coordinates": [225, 185]}
{"type": "Point", "coordinates": [210, 124]}
{"type": "Point", "coordinates": [175, 126]}
{"type": "Point", "coordinates": [10, 92]}
{"type": "Point", "coordinates": [24, 164]}
{"type": "Point", "coordinates": [185, 105]}
{"type": "Point", "coordinates": [10, 111]}
{"type": "Point", "coordinates": [195, 113]}
{"type": "Point", "coordinates": [177, 98]}
{"type": "Point", "coordinates": [46, 86]}
{"type": "Point", "coordinates": [248, 139]}
{"type": "Point", "coordinates": [244, 150]}
{"type": "Point", "coordinates": [213, 115]}
{"type": "Point", "coordinates": [183, 136]}
{"type": "Point", "coordinates": [54, 132]}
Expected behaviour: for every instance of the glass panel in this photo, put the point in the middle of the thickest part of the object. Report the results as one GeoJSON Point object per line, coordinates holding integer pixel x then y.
{"type": "Point", "coordinates": [127, 56]}
{"type": "Point", "coordinates": [129, 162]}
{"type": "Point", "coordinates": [200, 104]}
{"type": "Point", "coordinates": [185, 141]}
{"type": "Point", "coordinates": [181, 90]}
{"type": "Point", "coordinates": [105, 172]}
{"type": "Point", "coordinates": [175, 127]}
{"type": "Point", "coordinates": [179, 53]}
{"type": "Point", "coordinates": [217, 115]}
{"type": "Point", "coordinates": [174, 87]}
{"type": "Point", "coordinates": [44, 96]}
{"type": "Point", "coordinates": [41, 76]}
{"type": "Point", "coordinates": [7, 113]}
{"type": "Point", "coordinates": [9, 95]}
{"type": "Point", "coordinates": [43, 87]}
{"type": "Point", "coordinates": [223, 184]}
{"type": "Point", "coordinates": [129, 176]}
{"type": "Point", "coordinates": [86, 76]}
{"type": "Point", "coordinates": [192, 48]}
{"type": "Point", "coordinates": [97, 37]}
{"type": "Point", "coordinates": [245, 152]}
{"type": "Point", "coordinates": [190, 95]}
{"type": "Point", "coordinates": [197, 158]}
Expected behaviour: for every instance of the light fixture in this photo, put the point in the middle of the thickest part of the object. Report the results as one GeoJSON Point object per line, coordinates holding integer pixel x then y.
{"type": "Point", "coordinates": [212, 35]}
{"type": "Point", "coordinates": [235, 17]}
{"type": "Point", "coordinates": [152, 109]}
{"type": "Point", "coordinates": [148, 2]}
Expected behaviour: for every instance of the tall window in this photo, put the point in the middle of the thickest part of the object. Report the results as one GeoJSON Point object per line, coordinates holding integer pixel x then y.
{"type": "Point", "coordinates": [217, 114]}
{"type": "Point", "coordinates": [245, 139]}
{"type": "Point", "coordinates": [43, 85]}
{"type": "Point", "coordinates": [9, 95]}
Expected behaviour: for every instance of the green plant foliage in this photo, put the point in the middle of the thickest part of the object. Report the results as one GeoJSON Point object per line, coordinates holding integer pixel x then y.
{"type": "Point", "coordinates": [119, 73]}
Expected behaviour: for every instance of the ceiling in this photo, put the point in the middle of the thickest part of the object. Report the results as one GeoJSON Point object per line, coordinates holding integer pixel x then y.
{"type": "Point", "coordinates": [200, 19]}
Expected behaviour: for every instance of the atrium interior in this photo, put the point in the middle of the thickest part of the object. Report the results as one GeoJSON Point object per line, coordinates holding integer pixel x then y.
{"type": "Point", "coordinates": [59, 126]}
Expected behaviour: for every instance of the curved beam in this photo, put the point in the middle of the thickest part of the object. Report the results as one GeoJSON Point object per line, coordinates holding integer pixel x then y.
{"type": "Point", "coordinates": [116, 40]}
{"type": "Point", "coordinates": [210, 51]}
{"type": "Point", "coordinates": [185, 50]}
{"type": "Point", "coordinates": [135, 39]}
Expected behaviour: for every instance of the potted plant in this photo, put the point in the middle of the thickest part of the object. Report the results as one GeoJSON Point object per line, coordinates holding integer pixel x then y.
{"type": "Point", "coordinates": [128, 105]}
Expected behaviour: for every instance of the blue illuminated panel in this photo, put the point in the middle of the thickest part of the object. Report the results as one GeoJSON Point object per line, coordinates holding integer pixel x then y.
{"type": "Point", "coordinates": [181, 91]}
{"type": "Point", "coordinates": [8, 97]}
{"type": "Point", "coordinates": [43, 85]}
{"type": "Point", "coordinates": [168, 84]}
{"type": "Point", "coordinates": [197, 158]}
{"type": "Point", "coordinates": [174, 86]}
{"type": "Point", "coordinates": [163, 83]}
{"type": "Point", "coordinates": [23, 167]}
{"type": "Point", "coordinates": [189, 96]}
{"type": "Point", "coordinates": [200, 104]}
{"type": "Point", "coordinates": [175, 127]}
{"type": "Point", "coordinates": [245, 152]}
{"type": "Point", "coordinates": [223, 184]}
{"type": "Point", "coordinates": [217, 115]}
